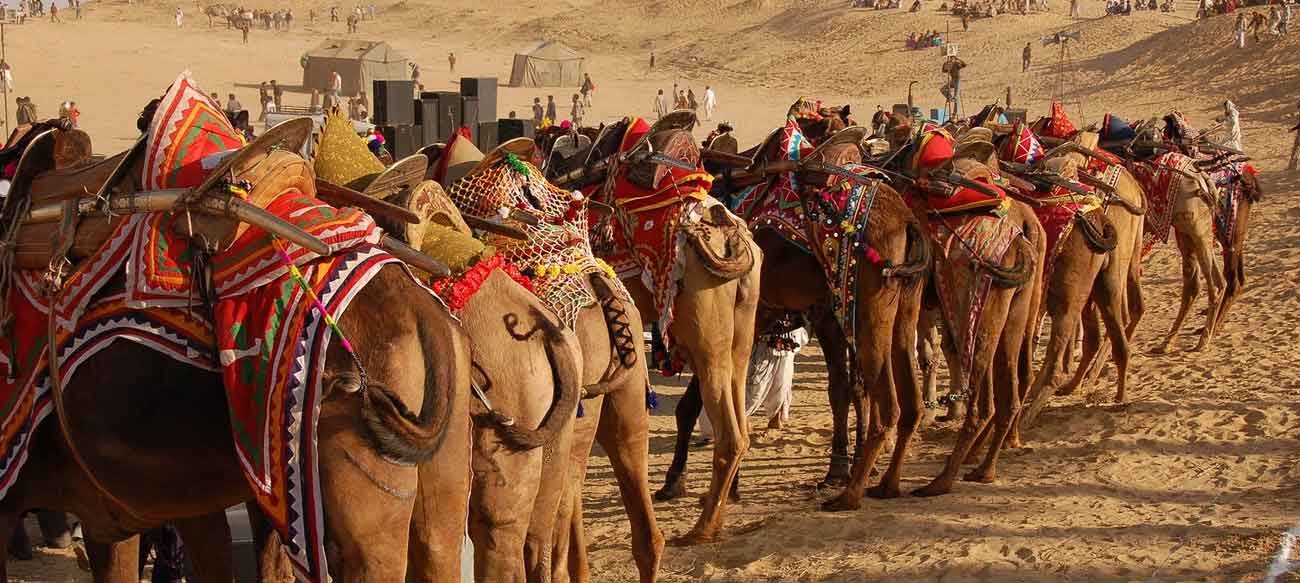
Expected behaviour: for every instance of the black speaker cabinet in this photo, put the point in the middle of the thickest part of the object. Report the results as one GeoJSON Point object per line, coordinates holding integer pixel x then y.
{"type": "Point", "coordinates": [469, 115]}
{"type": "Point", "coordinates": [509, 129]}
{"type": "Point", "coordinates": [427, 119]}
{"type": "Point", "coordinates": [449, 114]}
{"type": "Point", "coordinates": [485, 89]}
{"type": "Point", "coordinates": [400, 140]}
{"type": "Point", "coordinates": [393, 105]}
{"type": "Point", "coordinates": [487, 135]}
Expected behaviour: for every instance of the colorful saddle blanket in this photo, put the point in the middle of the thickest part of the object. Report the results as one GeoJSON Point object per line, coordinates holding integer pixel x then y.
{"type": "Point", "coordinates": [838, 217]}
{"type": "Point", "coordinates": [1157, 178]}
{"type": "Point", "coordinates": [961, 242]}
{"type": "Point", "coordinates": [1229, 181]}
{"type": "Point", "coordinates": [268, 339]}
{"type": "Point", "coordinates": [645, 235]}
{"type": "Point", "coordinates": [775, 204]}
{"type": "Point", "coordinates": [557, 255]}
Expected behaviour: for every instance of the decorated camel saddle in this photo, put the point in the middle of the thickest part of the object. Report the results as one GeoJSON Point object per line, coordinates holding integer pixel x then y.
{"type": "Point", "coordinates": [554, 252]}
{"type": "Point", "coordinates": [775, 203]}
{"type": "Point", "coordinates": [190, 216]}
{"type": "Point", "coordinates": [658, 189]}
{"type": "Point", "coordinates": [1062, 201]}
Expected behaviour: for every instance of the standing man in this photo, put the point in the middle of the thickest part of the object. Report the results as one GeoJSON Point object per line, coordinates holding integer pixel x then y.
{"type": "Point", "coordinates": [336, 90]}
{"type": "Point", "coordinates": [879, 120]}
{"type": "Point", "coordinates": [180, 17]}
{"type": "Point", "coordinates": [233, 107]}
{"type": "Point", "coordinates": [952, 90]}
{"type": "Point", "coordinates": [710, 102]}
{"type": "Point", "coordinates": [1025, 58]}
{"type": "Point", "coordinates": [551, 113]}
{"type": "Point", "coordinates": [6, 77]}
{"type": "Point", "coordinates": [652, 60]}
{"type": "Point", "coordinates": [1231, 126]}
{"type": "Point", "coordinates": [539, 112]}
{"type": "Point", "coordinates": [415, 74]}
{"type": "Point", "coordinates": [451, 62]}
{"type": "Point", "coordinates": [662, 105]}
{"type": "Point", "coordinates": [576, 113]}
{"type": "Point", "coordinates": [334, 13]}
{"type": "Point", "coordinates": [1240, 30]}
{"type": "Point", "coordinates": [587, 89]}
{"type": "Point", "coordinates": [54, 12]}
{"type": "Point", "coordinates": [277, 94]}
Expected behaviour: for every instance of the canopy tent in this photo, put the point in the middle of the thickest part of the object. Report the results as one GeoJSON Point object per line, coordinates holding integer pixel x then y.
{"type": "Point", "coordinates": [549, 64]}
{"type": "Point", "coordinates": [359, 62]}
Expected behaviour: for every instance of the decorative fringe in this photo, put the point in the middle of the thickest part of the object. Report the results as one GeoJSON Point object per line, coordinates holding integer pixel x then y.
{"type": "Point", "coordinates": [651, 398]}
{"type": "Point", "coordinates": [581, 414]}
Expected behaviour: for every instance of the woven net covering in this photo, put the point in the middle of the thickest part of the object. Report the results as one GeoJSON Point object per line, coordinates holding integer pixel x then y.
{"type": "Point", "coordinates": [557, 254]}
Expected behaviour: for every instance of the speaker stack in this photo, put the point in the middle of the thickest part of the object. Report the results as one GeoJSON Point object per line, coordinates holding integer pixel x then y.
{"type": "Point", "coordinates": [509, 129]}
{"type": "Point", "coordinates": [479, 108]}
{"type": "Point", "coordinates": [395, 114]}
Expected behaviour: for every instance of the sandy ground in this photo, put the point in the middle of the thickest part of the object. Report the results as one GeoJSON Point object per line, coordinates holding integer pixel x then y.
{"type": "Point", "coordinates": [1194, 480]}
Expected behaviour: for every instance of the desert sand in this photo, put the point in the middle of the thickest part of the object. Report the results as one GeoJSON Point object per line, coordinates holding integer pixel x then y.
{"type": "Point", "coordinates": [1196, 478]}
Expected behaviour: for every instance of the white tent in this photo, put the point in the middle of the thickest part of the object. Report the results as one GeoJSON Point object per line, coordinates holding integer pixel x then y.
{"type": "Point", "coordinates": [548, 64]}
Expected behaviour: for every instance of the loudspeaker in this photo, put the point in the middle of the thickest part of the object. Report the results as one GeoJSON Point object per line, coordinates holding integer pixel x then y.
{"type": "Point", "coordinates": [427, 119]}
{"type": "Point", "coordinates": [400, 140]}
{"type": "Point", "coordinates": [469, 116]}
{"type": "Point", "coordinates": [487, 135]}
{"type": "Point", "coordinates": [509, 129]}
{"type": "Point", "coordinates": [485, 89]}
{"type": "Point", "coordinates": [448, 113]}
{"type": "Point", "coordinates": [393, 105]}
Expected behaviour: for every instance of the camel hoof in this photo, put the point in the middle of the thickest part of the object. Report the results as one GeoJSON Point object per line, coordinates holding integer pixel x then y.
{"type": "Point", "coordinates": [842, 503]}
{"type": "Point", "coordinates": [932, 489]}
{"type": "Point", "coordinates": [980, 477]}
{"type": "Point", "coordinates": [883, 492]}
{"type": "Point", "coordinates": [672, 490]}
{"type": "Point", "coordinates": [693, 538]}
{"type": "Point", "coordinates": [833, 481]}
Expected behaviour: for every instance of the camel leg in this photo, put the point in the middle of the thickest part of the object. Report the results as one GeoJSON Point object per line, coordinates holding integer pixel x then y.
{"type": "Point", "coordinates": [979, 412]}
{"type": "Point", "coordinates": [839, 392]}
{"type": "Point", "coordinates": [1064, 308]}
{"type": "Point", "coordinates": [623, 433]}
{"type": "Point", "coordinates": [569, 557]}
{"type": "Point", "coordinates": [1005, 382]}
{"type": "Point", "coordinates": [1136, 306]}
{"type": "Point", "coordinates": [958, 379]}
{"type": "Point", "coordinates": [876, 399]}
{"type": "Point", "coordinates": [539, 542]}
{"type": "Point", "coordinates": [114, 562]}
{"type": "Point", "coordinates": [687, 413]}
{"type": "Point", "coordinates": [1234, 263]}
{"type": "Point", "coordinates": [1091, 328]}
{"type": "Point", "coordinates": [1213, 282]}
{"type": "Point", "coordinates": [925, 348]}
{"type": "Point", "coordinates": [911, 401]}
{"type": "Point", "coordinates": [207, 546]}
{"type": "Point", "coordinates": [273, 565]}
{"type": "Point", "coordinates": [1191, 288]}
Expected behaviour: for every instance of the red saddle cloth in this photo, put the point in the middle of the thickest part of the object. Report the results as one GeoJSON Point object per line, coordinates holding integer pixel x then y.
{"type": "Point", "coordinates": [1157, 178]}
{"type": "Point", "coordinates": [269, 336]}
{"type": "Point", "coordinates": [642, 237]}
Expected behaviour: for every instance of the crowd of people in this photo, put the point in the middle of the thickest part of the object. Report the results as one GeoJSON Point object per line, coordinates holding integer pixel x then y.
{"type": "Point", "coordinates": [548, 114]}
{"type": "Point", "coordinates": [925, 40]}
{"type": "Point", "coordinates": [686, 99]}
{"type": "Point", "coordinates": [40, 8]}
{"type": "Point", "coordinates": [1275, 24]}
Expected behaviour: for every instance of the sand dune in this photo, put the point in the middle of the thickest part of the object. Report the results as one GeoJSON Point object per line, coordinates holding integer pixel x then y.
{"type": "Point", "coordinates": [1194, 480]}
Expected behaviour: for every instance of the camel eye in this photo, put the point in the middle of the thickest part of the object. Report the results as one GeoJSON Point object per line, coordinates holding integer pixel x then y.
{"type": "Point", "coordinates": [347, 383]}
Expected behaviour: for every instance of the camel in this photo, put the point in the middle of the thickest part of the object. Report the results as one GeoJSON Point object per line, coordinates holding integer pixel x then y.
{"type": "Point", "coordinates": [999, 342]}
{"type": "Point", "coordinates": [593, 306]}
{"type": "Point", "coordinates": [1090, 265]}
{"type": "Point", "coordinates": [122, 468]}
{"type": "Point", "coordinates": [716, 295]}
{"type": "Point", "coordinates": [1185, 198]}
{"type": "Point", "coordinates": [795, 284]}
{"type": "Point", "coordinates": [987, 280]}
